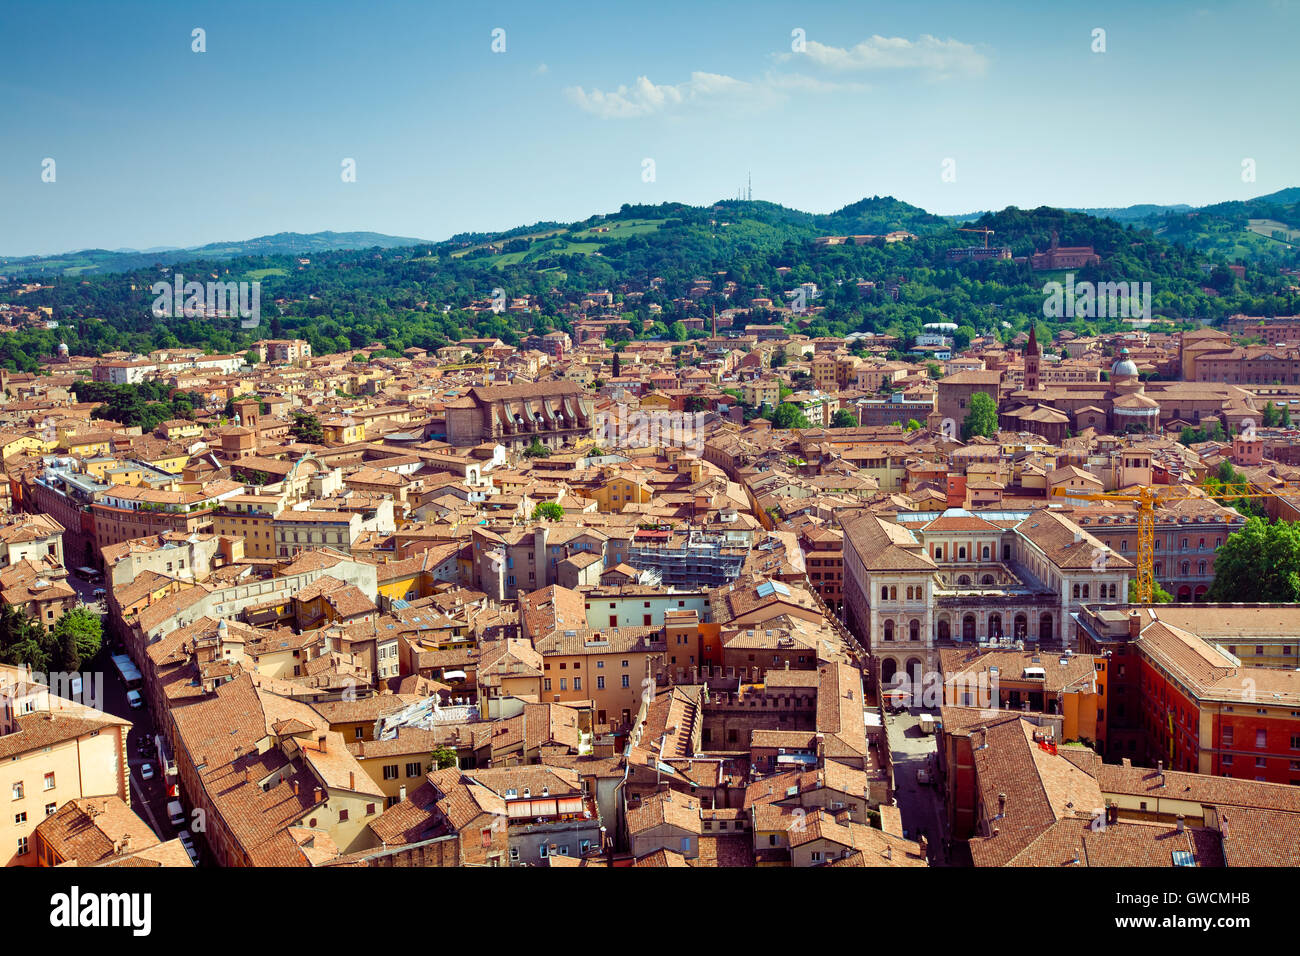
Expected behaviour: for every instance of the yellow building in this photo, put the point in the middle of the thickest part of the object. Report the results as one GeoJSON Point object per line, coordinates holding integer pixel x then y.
{"type": "Point", "coordinates": [52, 750]}
{"type": "Point", "coordinates": [343, 431]}
{"type": "Point", "coordinates": [761, 392]}
{"type": "Point", "coordinates": [619, 490]}
{"type": "Point", "coordinates": [252, 518]}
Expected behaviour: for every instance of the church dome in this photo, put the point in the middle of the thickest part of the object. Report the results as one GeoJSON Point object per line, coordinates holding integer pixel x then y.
{"type": "Point", "coordinates": [1124, 366]}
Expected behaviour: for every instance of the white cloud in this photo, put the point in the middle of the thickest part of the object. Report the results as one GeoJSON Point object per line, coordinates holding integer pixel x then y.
{"type": "Point", "coordinates": [644, 98]}
{"type": "Point", "coordinates": [541, 69]}
{"type": "Point", "coordinates": [929, 54]}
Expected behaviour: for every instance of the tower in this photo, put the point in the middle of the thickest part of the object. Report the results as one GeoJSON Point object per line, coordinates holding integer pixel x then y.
{"type": "Point", "coordinates": [1032, 354]}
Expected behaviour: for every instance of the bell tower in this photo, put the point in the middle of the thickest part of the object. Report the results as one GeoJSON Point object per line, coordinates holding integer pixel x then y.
{"type": "Point", "coordinates": [1032, 354]}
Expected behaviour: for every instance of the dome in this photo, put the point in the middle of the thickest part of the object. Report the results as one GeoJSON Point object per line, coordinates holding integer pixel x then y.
{"type": "Point", "coordinates": [1124, 366]}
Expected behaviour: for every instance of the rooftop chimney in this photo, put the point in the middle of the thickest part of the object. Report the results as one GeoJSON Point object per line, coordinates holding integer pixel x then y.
{"type": "Point", "coordinates": [1181, 823]}
{"type": "Point", "coordinates": [1002, 805]}
{"type": "Point", "coordinates": [352, 780]}
{"type": "Point", "coordinates": [1134, 624]}
{"type": "Point", "coordinates": [321, 740]}
{"type": "Point", "coordinates": [316, 794]}
{"type": "Point", "coordinates": [295, 788]}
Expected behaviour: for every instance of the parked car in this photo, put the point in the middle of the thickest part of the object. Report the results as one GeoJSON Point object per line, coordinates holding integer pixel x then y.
{"type": "Point", "coordinates": [923, 777]}
{"type": "Point", "coordinates": [146, 771]}
{"type": "Point", "coordinates": [98, 593]}
{"type": "Point", "coordinates": [134, 699]}
{"type": "Point", "coordinates": [175, 813]}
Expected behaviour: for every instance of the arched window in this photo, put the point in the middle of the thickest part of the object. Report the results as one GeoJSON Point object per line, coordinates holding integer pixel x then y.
{"type": "Point", "coordinates": [985, 552]}
{"type": "Point", "coordinates": [893, 593]}
{"type": "Point", "coordinates": [914, 630]}
{"type": "Point", "coordinates": [1187, 567]}
{"type": "Point", "coordinates": [1085, 592]}
{"type": "Point", "coordinates": [963, 579]}
{"type": "Point", "coordinates": [961, 554]}
{"type": "Point", "coordinates": [1200, 567]}
{"type": "Point", "coordinates": [1076, 592]}
{"type": "Point", "coordinates": [889, 630]}
{"type": "Point", "coordinates": [884, 593]}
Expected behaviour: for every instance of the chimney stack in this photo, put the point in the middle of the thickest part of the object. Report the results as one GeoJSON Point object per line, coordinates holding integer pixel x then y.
{"type": "Point", "coordinates": [1134, 625]}
{"type": "Point", "coordinates": [295, 788]}
{"type": "Point", "coordinates": [321, 740]}
{"type": "Point", "coordinates": [352, 780]}
{"type": "Point", "coordinates": [316, 794]}
{"type": "Point", "coordinates": [1181, 823]}
{"type": "Point", "coordinates": [1002, 805]}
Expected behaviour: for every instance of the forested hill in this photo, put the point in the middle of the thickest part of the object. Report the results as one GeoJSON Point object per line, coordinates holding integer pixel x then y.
{"type": "Point", "coordinates": [647, 256]}
{"type": "Point", "coordinates": [90, 261]}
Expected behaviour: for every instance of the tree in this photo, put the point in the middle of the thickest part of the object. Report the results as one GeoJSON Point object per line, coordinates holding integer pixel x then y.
{"type": "Point", "coordinates": [1259, 564]}
{"type": "Point", "coordinates": [789, 415]}
{"type": "Point", "coordinates": [913, 425]}
{"type": "Point", "coordinates": [844, 419]}
{"type": "Point", "coordinates": [444, 757]}
{"type": "Point", "coordinates": [1158, 594]}
{"type": "Point", "coordinates": [24, 641]}
{"type": "Point", "coordinates": [306, 428]}
{"type": "Point", "coordinates": [548, 510]}
{"type": "Point", "coordinates": [79, 636]}
{"type": "Point", "coordinates": [251, 357]}
{"type": "Point", "coordinates": [982, 419]}
{"type": "Point", "coordinates": [537, 450]}
{"type": "Point", "coordinates": [677, 331]}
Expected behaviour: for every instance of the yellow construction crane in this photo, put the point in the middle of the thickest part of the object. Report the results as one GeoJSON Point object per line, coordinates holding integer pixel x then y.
{"type": "Point", "coordinates": [987, 233]}
{"type": "Point", "coordinates": [1146, 500]}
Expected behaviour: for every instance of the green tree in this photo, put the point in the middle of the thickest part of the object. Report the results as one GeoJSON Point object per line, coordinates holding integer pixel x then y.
{"type": "Point", "coordinates": [844, 419]}
{"type": "Point", "coordinates": [79, 634]}
{"type": "Point", "coordinates": [1259, 563]}
{"type": "Point", "coordinates": [444, 757]}
{"type": "Point", "coordinates": [251, 357]}
{"type": "Point", "coordinates": [677, 331]}
{"type": "Point", "coordinates": [24, 641]}
{"type": "Point", "coordinates": [913, 425]}
{"type": "Point", "coordinates": [548, 510]}
{"type": "Point", "coordinates": [537, 450]}
{"type": "Point", "coordinates": [306, 428]}
{"type": "Point", "coordinates": [789, 415]}
{"type": "Point", "coordinates": [982, 419]}
{"type": "Point", "coordinates": [1158, 594]}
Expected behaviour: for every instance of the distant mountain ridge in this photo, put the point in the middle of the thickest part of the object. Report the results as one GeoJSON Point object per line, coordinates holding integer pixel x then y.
{"type": "Point", "coordinates": [96, 261]}
{"type": "Point", "coordinates": [1263, 229]}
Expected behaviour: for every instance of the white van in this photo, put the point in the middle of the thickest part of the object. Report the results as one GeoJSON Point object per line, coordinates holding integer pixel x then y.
{"type": "Point", "coordinates": [134, 699]}
{"type": "Point", "coordinates": [176, 813]}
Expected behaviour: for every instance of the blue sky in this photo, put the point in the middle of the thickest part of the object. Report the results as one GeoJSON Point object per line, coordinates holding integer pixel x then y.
{"type": "Point", "coordinates": [156, 145]}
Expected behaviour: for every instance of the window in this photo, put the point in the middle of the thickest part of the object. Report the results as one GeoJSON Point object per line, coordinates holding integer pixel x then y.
{"type": "Point", "coordinates": [547, 683]}
{"type": "Point", "coordinates": [22, 846]}
{"type": "Point", "coordinates": [20, 817]}
{"type": "Point", "coordinates": [49, 781]}
{"type": "Point", "coordinates": [1227, 736]}
{"type": "Point", "coordinates": [577, 683]}
{"type": "Point", "coordinates": [50, 808]}
{"type": "Point", "coordinates": [1261, 739]}
{"type": "Point", "coordinates": [564, 683]}
{"type": "Point", "coordinates": [343, 815]}
{"type": "Point", "coordinates": [600, 683]}
{"type": "Point", "coordinates": [626, 681]}
{"type": "Point", "coordinates": [18, 790]}
{"type": "Point", "coordinates": [415, 769]}
{"type": "Point", "coordinates": [390, 771]}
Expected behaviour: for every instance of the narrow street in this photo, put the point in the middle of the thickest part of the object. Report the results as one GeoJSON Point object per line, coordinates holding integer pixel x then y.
{"type": "Point", "coordinates": [921, 805]}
